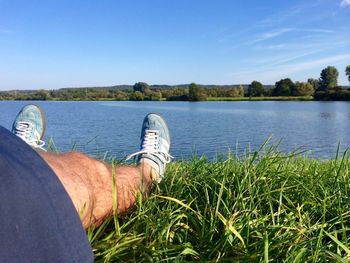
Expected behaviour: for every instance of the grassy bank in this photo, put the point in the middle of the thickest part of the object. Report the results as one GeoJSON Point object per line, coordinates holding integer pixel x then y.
{"type": "Point", "coordinates": [264, 207]}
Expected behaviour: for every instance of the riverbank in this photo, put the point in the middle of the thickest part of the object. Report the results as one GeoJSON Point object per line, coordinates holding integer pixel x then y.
{"type": "Point", "coordinates": [276, 98]}
{"type": "Point", "coordinates": [264, 207]}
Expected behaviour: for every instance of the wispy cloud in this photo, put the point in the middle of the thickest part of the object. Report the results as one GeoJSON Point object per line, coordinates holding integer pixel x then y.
{"type": "Point", "coordinates": [290, 47]}
{"type": "Point", "coordinates": [297, 67]}
{"type": "Point", "coordinates": [276, 33]}
{"type": "Point", "coordinates": [279, 18]}
{"type": "Point", "coordinates": [296, 18]}
{"type": "Point", "coordinates": [315, 30]}
{"type": "Point", "coordinates": [293, 52]}
{"type": "Point", "coordinates": [271, 73]}
{"type": "Point", "coordinates": [288, 14]}
{"type": "Point", "coordinates": [345, 3]}
{"type": "Point", "coordinates": [271, 34]}
{"type": "Point", "coordinates": [293, 58]}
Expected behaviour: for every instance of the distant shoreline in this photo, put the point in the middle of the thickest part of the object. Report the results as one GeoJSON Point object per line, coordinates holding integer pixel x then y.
{"type": "Point", "coordinates": [210, 99]}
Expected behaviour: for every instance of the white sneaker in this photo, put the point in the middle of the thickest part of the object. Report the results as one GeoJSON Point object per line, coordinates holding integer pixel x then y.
{"type": "Point", "coordinates": [155, 144]}
{"type": "Point", "coordinates": [30, 125]}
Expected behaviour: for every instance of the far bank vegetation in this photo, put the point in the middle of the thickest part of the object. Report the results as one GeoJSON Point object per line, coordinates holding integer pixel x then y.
{"type": "Point", "coordinates": [324, 88]}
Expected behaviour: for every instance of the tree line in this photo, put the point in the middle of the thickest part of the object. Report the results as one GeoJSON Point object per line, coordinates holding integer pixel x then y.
{"type": "Point", "coordinates": [324, 88]}
{"type": "Point", "coordinates": [138, 92]}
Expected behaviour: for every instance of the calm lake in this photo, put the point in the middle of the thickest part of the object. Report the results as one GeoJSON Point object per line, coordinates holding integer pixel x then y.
{"type": "Point", "coordinates": [199, 128]}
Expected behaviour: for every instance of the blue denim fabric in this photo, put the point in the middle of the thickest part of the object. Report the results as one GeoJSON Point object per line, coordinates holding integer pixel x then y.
{"type": "Point", "coordinates": [38, 222]}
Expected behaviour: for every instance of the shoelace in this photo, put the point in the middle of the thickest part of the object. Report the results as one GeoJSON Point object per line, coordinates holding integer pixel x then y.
{"type": "Point", "coordinates": [150, 145]}
{"type": "Point", "coordinates": [24, 130]}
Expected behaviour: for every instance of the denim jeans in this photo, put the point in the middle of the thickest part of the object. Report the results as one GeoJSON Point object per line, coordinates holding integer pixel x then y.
{"type": "Point", "coordinates": [38, 222]}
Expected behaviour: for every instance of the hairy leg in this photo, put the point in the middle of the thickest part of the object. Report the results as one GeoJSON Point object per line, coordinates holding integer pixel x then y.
{"type": "Point", "coordinates": [89, 184]}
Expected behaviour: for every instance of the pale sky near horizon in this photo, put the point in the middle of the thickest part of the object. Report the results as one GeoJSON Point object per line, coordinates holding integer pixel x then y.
{"type": "Point", "coordinates": [57, 44]}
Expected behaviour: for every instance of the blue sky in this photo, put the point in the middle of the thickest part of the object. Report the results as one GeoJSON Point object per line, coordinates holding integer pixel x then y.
{"type": "Point", "coordinates": [55, 44]}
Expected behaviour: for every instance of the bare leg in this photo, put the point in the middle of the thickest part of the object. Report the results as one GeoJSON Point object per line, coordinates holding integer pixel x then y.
{"type": "Point", "coordinates": [93, 185]}
{"type": "Point", "coordinates": [89, 184]}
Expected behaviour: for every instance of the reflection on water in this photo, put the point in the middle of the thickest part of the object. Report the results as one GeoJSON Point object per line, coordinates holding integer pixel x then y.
{"type": "Point", "coordinates": [327, 115]}
{"type": "Point", "coordinates": [208, 128]}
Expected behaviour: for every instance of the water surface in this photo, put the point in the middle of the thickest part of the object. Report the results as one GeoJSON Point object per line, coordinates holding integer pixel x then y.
{"type": "Point", "coordinates": [197, 128]}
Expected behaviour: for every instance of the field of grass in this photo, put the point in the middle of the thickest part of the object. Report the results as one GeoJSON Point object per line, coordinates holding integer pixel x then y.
{"type": "Point", "coordinates": [263, 207]}
{"type": "Point", "coordinates": [277, 98]}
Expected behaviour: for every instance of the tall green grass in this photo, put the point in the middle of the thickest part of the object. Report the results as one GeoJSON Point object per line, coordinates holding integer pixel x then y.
{"type": "Point", "coordinates": [264, 207]}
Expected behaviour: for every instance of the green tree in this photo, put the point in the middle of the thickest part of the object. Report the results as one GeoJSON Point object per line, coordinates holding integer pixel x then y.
{"type": "Point", "coordinates": [347, 71]}
{"type": "Point", "coordinates": [121, 95]}
{"type": "Point", "coordinates": [156, 95]}
{"type": "Point", "coordinates": [303, 89]}
{"type": "Point", "coordinates": [42, 95]}
{"type": "Point", "coordinates": [240, 91]}
{"type": "Point", "coordinates": [314, 82]}
{"type": "Point", "coordinates": [137, 95]}
{"type": "Point", "coordinates": [328, 78]}
{"type": "Point", "coordinates": [194, 92]}
{"type": "Point", "coordinates": [284, 87]}
{"type": "Point", "coordinates": [141, 87]}
{"type": "Point", "coordinates": [256, 89]}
